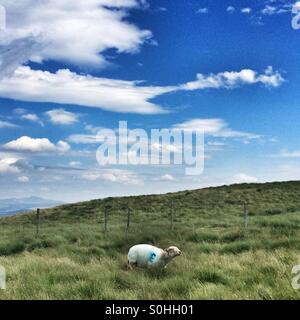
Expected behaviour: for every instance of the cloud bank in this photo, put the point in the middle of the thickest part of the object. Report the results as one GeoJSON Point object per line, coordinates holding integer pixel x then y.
{"type": "Point", "coordinates": [66, 87]}
{"type": "Point", "coordinates": [77, 32]}
{"type": "Point", "coordinates": [215, 128]}
{"type": "Point", "coordinates": [28, 144]}
{"type": "Point", "coordinates": [62, 117]}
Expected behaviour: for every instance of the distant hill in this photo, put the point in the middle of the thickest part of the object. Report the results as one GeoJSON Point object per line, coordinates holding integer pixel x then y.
{"type": "Point", "coordinates": [263, 199]}
{"type": "Point", "coordinates": [15, 205]}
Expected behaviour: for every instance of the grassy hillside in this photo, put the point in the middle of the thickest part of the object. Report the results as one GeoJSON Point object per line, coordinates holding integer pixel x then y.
{"type": "Point", "coordinates": [73, 258]}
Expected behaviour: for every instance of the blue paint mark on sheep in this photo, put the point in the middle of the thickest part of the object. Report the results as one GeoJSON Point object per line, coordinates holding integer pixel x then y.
{"type": "Point", "coordinates": [151, 257]}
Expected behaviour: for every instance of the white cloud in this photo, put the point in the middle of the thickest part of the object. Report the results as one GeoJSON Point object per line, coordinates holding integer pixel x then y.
{"type": "Point", "coordinates": [202, 11]}
{"type": "Point", "coordinates": [23, 179]}
{"type": "Point", "coordinates": [243, 178]}
{"type": "Point", "coordinates": [296, 6]}
{"type": "Point", "coordinates": [109, 177]}
{"type": "Point", "coordinates": [7, 165]}
{"type": "Point", "coordinates": [162, 9]}
{"type": "Point", "coordinates": [91, 176]}
{"type": "Point", "coordinates": [167, 177]}
{"type": "Point", "coordinates": [5, 124]}
{"type": "Point", "coordinates": [19, 111]}
{"type": "Point", "coordinates": [163, 147]}
{"type": "Point", "coordinates": [27, 144]}
{"type": "Point", "coordinates": [73, 31]}
{"type": "Point", "coordinates": [269, 78]}
{"type": "Point", "coordinates": [214, 127]}
{"type": "Point", "coordinates": [273, 8]}
{"type": "Point", "coordinates": [84, 139]}
{"type": "Point", "coordinates": [269, 10]}
{"type": "Point", "coordinates": [287, 154]}
{"type": "Point", "coordinates": [230, 9]}
{"type": "Point", "coordinates": [117, 176]}
{"type": "Point", "coordinates": [32, 117]}
{"type": "Point", "coordinates": [285, 172]}
{"type": "Point", "coordinates": [246, 10]}
{"type": "Point", "coordinates": [74, 163]}
{"type": "Point", "coordinates": [214, 146]}
{"type": "Point", "coordinates": [92, 129]}
{"type": "Point", "coordinates": [66, 87]}
{"type": "Point", "coordinates": [62, 117]}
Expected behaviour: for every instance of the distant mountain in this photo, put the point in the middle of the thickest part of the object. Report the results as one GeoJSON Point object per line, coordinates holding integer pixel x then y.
{"type": "Point", "coordinates": [16, 205]}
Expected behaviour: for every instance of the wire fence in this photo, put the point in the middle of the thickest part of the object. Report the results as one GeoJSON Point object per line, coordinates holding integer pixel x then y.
{"type": "Point", "coordinates": [125, 219]}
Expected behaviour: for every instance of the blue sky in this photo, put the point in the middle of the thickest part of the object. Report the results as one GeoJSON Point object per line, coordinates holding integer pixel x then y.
{"type": "Point", "coordinates": [68, 69]}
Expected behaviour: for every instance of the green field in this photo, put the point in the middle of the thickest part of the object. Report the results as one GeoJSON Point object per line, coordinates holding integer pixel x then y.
{"type": "Point", "coordinates": [73, 258]}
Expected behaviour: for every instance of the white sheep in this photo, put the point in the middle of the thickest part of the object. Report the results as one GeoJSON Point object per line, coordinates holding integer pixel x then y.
{"type": "Point", "coordinates": [145, 256]}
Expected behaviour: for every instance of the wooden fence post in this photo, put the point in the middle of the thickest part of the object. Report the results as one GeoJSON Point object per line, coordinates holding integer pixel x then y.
{"type": "Point", "coordinates": [128, 218]}
{"type": "Point", "coordinates": [245, 214]}
{"type": "Point", "coordinates": [172, 215]}
{"type": "Point", "coordinates": [105, 218]}
{"type": "Point", "coordinates": [38, 220]}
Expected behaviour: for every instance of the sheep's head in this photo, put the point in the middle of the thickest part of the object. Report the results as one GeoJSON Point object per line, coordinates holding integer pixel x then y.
{"type": "Point", "coordinates": [173, 252]}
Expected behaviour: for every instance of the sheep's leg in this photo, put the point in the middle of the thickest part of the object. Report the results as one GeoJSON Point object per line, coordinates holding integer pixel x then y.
{"type": "Point", "coordinates": [130, 265]}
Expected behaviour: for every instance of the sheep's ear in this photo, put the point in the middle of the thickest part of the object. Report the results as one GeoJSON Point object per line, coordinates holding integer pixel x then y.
{"type": "Point", "coordinates": [168, 251]}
